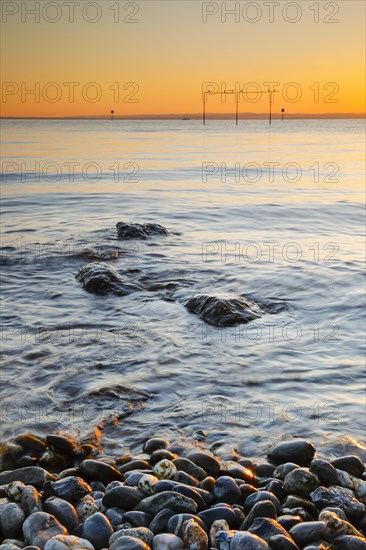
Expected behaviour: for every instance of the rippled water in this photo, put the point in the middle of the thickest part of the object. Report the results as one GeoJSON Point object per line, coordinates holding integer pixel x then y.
{"type": "Point", "coordinates": [142, 364]}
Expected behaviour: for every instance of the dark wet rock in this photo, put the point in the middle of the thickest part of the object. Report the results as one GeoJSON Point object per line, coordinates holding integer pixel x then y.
{"type": "Point", "coordinates": [71, 488]}
{"type": "Point", "coordinates": [299, 451]}
{"type": "Point", "coordinates": [283, 469]}
{"type": "Point", "coordinates": [40, 527]}
{"type": "Point", "coordinates": [208, 483]}
{"type": "Point", "coordinates": [167, 499]}
{"type": "Point", "coordinates": [96, 469]}
{"type": "Point", "coordinates": [97, 486]}
{"type": "Point", "coordinates": [154, 444]}
{"type": "Point", "coordinates": [68, 542]}
{"type": "Point", "coordinates": [264, 469]}
{"type": "Point", "coordinates": [207, 462]}
{"type": "Point", "coordinates": [190, 492]}
{"type": "Point", "coordinates": [288, 522]}
{"type": "Point", "coordinates": [293, 502]}
{"type": "Point", "coordinates": [280, 542]}
{"type": "Point", "coordinates": [115, 515]}
{"type": "Point", "coordinates": [122, 497]}
{"type": "Point", "coordinates": [247, 541]}
{"type": "Point", "coordinates": [30, 444]}
{"type": "Point", "coordinates": [176, 522]}
{"type": "Point", "coordinates": [97, 529]}
{"type": "Point", "coordinates": [223, 310]}
{"type": "Point", "coordinates": [351, 464]}
{"type": "Point", "coordinates": [325, 471]}
{"type": "Point", "coordinates": [31, 500]}
{"type": "Point", "coordinates": [134, 465]}
{"type": "Point", "coordinates": [348, 542]}
{"type": "Point", "coordinates": [160, 522]}
{"type": "Point", "coordinates": [218, 512]}
{"type": "Point", "coordinates": [161, 454]}
{"type": "Point", "coordinates": [246, 490]}
{"type": "Point", "coordinates": [226, 490]}
{"type": "Point", "coordinates": [308, 531]}
{"type": "Point", "coordinates": [238, 472]}
{"type": "Point", "coordinates": [30, 475]}
{"type": "Point", "coordinates": [340, 498]}
{"type": "Point", "coordinates": [303, 514]}
{"type": "Point", "coordinates": [129, 543]}
{"type": "Point", "coordinates": [183, 477]}
{"type": "Point", "coordinates": [11, 520]}
{"type": "Point", "coordinates": [267, 528]}
{"type": "Point", "coordinates": [26, 461]}
{"type": "Point", "coordinates": [165, 485]}
{"type": "Point", "coordinates": [190, 468]}
{"type": "Point", "coordinates": [238, 511]}
{"type": "Point", "coordinates": [276, 487]}
{"type": "Point", "coordinates": [63, 511]}
{"type": "Point", "coordinates": [139, 230]}
{"type": "Point", "coordinates": [138, 519]}
{"type": "Point", "coordinates": [61, 443]}
{"type": "Point", "coordinates": [300, 482]}
{"type": "Point", "coordinates": [262, 509]}
{"type": "Point", "coordinates": [259, 496]}
{"type": "Point", "coordinates": [104, 279]}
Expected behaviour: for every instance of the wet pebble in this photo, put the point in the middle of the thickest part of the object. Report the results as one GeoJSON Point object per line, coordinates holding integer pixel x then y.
{"type": "Point", "coordinates": [63, 511]}
{"type": "Point", "coordinates": [40, 527]}
{"type": "Point", "coordinates": [298, 451]}
{"type": "Point", "coordinates": [11, 520]}
{"type": "Point", "coordinates": [97, 529]}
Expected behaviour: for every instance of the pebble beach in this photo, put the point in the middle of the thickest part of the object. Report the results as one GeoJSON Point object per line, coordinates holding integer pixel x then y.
{"type": "Point", "coordinates": [63, 494]}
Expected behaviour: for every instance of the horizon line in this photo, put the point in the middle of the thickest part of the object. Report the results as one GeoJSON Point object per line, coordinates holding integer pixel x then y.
{"type": "Point", "coordinates": [195, 116]}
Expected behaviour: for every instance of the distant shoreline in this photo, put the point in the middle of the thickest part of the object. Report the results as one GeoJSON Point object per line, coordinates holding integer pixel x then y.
{"type": "Point", "coordinates": [209, 116]}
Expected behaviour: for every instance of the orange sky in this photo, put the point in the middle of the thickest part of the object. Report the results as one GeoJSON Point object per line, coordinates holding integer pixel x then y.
{"type": "Point", "coordinates": [152, 57]}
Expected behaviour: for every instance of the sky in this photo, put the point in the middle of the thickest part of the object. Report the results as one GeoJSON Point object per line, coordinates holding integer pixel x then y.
{"type": "Point", "coordinates": [84, 58]}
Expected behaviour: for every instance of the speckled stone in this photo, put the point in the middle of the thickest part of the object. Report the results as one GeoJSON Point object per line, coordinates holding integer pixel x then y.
{"type": "Point", "coordinates": [194, 537]}
{"type": "Point", "coordinates": [300, 482]}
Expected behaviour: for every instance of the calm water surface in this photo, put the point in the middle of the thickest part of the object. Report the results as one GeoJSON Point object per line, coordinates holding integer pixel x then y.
{"type": "Point", "coordinates": [283, 223]}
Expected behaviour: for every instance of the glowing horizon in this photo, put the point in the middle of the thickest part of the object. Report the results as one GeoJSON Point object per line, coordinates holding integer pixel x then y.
{"type": "Point", "coordinates": [153, 58]}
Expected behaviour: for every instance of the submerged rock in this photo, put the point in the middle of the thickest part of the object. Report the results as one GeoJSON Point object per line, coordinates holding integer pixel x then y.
{"type": "Point", "coordinates": [139, 231]}
{"type": "Point", "coordinates": [102, 279]}
{"type": "Point", "coordinates": [223, 310]}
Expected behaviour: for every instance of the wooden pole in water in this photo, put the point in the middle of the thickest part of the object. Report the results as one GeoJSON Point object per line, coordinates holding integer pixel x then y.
{"type": "Point", "coordinates": [237, 107]}
{"type": "Point", "coordinates": [112, 113]}
{"type": "Point", "coordinates": [270, 106]}
{"type": "Point", "coordinates": [204, 108]}
{"type": "Point", "coordinates": [282, 111]}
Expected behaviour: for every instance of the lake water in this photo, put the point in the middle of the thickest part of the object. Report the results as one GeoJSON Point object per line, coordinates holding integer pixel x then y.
{"type": "Point", "coordinates": [272, 213]}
